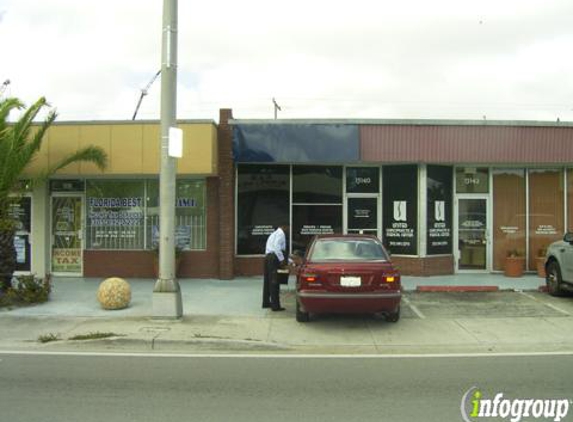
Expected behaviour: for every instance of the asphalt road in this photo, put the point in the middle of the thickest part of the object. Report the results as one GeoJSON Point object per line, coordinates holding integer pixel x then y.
{"type": "Point", "coordinates": [132, 388]}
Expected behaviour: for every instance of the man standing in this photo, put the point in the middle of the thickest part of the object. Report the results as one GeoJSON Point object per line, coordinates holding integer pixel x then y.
{"type": "Point", "coordinates": [275, 250]}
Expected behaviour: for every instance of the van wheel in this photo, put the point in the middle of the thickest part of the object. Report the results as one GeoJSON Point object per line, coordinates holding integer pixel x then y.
{"type": "Point", "coordinates": [393, 316]}
{"type": "Point", "coordinates": [553, 279]}
{"type": "Point", "coordinates": [300, 315]}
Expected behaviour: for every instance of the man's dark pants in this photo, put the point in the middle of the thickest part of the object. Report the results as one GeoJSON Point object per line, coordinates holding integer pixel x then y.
{"type": "Point", "coordinates": [271, 287]}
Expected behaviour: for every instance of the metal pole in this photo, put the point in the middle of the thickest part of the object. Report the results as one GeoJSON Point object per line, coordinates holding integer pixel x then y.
{"type": "Point", "coordinates": [167, 293]}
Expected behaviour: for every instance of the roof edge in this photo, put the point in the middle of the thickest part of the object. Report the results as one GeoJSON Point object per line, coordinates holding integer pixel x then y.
{"type": "Point", "coordinates": [401, 122]}
{"type": "Point", "coordinates": [126, 122]}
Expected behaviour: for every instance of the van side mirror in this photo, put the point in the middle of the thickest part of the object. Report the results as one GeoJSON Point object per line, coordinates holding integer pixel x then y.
{"type": "Point", "coordinates": [568, 237]}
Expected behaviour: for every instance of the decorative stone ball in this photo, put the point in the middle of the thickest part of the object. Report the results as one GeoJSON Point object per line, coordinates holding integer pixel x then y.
{"type": "Point", "coordinates": [114, 293]}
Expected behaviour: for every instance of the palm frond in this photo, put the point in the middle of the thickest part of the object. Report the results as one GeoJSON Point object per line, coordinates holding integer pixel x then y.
{"type": "Point", "coordinates": [89, 154]}
{"type": "Point", "coordinates": [18, 146]}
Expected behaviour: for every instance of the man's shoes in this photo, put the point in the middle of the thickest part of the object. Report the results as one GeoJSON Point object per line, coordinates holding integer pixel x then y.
{"type": "Point", "coordinates": [277, 309]}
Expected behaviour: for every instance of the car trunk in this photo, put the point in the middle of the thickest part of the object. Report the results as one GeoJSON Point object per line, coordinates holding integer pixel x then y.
{"type": "Point", "coordinates": [354, 277]}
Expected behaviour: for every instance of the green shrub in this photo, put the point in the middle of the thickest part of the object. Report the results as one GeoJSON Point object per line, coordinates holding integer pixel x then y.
{"type": "Point", "coordinates": [28, 290]}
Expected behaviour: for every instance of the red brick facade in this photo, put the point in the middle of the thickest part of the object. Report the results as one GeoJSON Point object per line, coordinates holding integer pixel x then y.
{"type": "Point", "coordinates": [428, 266]}
{"type": "Point", "coordinates": [226, 197]}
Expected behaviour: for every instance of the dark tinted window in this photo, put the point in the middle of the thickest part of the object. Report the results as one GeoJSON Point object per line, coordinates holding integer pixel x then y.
{"type": "Point", "coordinates": [362, 180]}
{"type": "Point", "coordinates": [400, 215]}
{"type": "Point", "coordinates": [317, 184]}
{"type": "Point", "coordinates": [310, 220]}
{"type": "Point", "coordinates": [439, 210]}
{"type": "Point", "coordinates": [262, 205]}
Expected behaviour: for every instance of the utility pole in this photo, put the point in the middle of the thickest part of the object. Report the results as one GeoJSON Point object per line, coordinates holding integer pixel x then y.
{"type": "Point", "coordinates": [277, 107]}
{"type": "Point", "coordinates": [167, 303]}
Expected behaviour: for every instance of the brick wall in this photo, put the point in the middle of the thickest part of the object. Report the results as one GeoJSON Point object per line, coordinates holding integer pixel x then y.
{"type": "Point", "coordinates": [428, 266]}
{"type": "Point", "coordinates": [249, 266]}
{"type": "Point", "coordinates": [105, 264]}
{"type": "Point", "coordinates": [226, 196]}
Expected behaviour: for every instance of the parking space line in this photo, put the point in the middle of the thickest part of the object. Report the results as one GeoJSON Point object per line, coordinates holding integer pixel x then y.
{"type": "Point", "coordinates": [549, 305]}
{"type": "Point", "coordinates": [414, 308]}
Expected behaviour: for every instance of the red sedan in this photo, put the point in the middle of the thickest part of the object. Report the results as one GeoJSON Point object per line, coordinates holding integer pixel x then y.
{"type": "Point", "coordinates": [347, 274]}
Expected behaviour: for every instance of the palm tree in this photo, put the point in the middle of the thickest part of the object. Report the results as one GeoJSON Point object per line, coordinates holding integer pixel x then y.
{"type": "Point", "coordinates": [20, 141]}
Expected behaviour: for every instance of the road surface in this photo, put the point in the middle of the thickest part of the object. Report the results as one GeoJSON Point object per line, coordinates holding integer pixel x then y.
{"type": "Point", "coordinates": [85, 388]}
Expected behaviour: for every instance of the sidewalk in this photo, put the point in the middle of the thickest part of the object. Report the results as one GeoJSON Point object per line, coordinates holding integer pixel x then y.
{"type": "Point", "coordinates": [76, 297]}
{"type": "Point", "coordinates": [222, 316]}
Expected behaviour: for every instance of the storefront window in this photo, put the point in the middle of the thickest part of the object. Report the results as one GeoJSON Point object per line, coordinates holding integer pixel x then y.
{"type": "Point", "coordinates": [508, 214]}
{"type": "Point", "coordinates": [472, 180]}
{"type": "Point", "coordinates": [310, 220]}
{"type": "Point", "coordinates": [317, 184]}
{"type": "Point", "coordinates": [190, 224]}
{"type": "Point", "coordinates": [362, 180]}
{"type": "Point", "coordinates": [115, 214]}
{"type": "Point", "coordinates": [21, 211]}
{"type": "Point", "coordinates": [400, 188]}
{"type": "Point", "coordinates": [317, 203]}
{"type": "Point", "coordinates": [439, 211]}
{"type": "Point", "coordinates": [262, 205]}
{"type": "Point", "coordinates": [546, 219]}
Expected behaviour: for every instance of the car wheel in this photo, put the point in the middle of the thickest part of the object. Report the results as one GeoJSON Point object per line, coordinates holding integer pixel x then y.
{"type": "Point", "coordinates": [553, 279]}
{"type": "Point", "coordinates": [300, 315]}
{"type": "Point", "coordinates": [393, 316]}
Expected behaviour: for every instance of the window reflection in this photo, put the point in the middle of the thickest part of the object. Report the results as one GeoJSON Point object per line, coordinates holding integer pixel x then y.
{"type": "Point", "coordinates": [508, 214]}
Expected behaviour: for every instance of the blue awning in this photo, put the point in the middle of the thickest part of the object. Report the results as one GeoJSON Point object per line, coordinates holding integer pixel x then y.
{"type": "Point", "coordinates": [296, 143]}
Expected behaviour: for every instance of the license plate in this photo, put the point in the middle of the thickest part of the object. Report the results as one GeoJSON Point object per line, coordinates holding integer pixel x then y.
{"type": "Point", "coordinates": [350, 281]}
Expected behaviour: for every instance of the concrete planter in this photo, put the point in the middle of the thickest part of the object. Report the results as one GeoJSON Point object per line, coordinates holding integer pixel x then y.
{"type": "Point", "coordinates": [514, 266]}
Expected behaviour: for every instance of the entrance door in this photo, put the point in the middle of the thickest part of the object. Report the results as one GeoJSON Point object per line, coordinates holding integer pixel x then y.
{"type": "Point", "coordinates": [362, 215]}
{"type": "Point", "coordinates": [67, 235]}
{"type": "Point", "coordinates": [473, 253]}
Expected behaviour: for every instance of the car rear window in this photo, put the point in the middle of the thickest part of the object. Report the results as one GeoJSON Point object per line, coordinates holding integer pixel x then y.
{"type": "Point", "coordinates": [347, 250]}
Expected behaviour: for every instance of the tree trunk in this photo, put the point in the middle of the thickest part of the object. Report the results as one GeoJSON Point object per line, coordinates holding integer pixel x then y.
{"type": "Point", "coordinates": [7, 258]}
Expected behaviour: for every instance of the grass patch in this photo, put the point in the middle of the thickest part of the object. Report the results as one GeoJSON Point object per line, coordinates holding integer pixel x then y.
{"type": "Point", "coordinates": [93, 336]}
{"type": "Point", "coordinates": [46, 338]}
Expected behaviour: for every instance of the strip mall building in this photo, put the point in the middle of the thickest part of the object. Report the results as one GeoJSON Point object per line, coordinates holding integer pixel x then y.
{"type": "Point", "coordinates": [444, 196]}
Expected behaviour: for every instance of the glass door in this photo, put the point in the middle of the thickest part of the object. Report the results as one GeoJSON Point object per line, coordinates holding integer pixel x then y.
{"type": "Point", "coordinates": [473, 239]}
{"type": "Point", "coordinates": [67, 235]}
{"type": "Point", "coordinates": [362, 215]}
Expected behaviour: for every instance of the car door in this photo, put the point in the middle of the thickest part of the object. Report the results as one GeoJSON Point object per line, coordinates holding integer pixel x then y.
{"type": "Point", "coordinates": [567, 261]}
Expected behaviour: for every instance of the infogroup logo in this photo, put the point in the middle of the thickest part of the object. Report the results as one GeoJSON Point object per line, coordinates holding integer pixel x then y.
{"type": "Point", "coordinates": [475, 406]}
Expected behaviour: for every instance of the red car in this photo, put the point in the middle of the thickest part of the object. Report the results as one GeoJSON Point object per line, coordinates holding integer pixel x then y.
{"type": "Point", "coordinates": [347, 274]}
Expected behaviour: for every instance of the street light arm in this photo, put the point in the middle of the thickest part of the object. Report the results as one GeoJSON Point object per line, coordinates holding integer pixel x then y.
{"type": "Point", "coordinates": [144, 92]}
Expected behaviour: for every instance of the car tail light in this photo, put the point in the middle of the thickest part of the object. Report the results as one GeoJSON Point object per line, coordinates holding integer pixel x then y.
{"type": "Point", "coordinates": [310, 278]}
{"type": "Point", "coordinates": [390, 279]}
